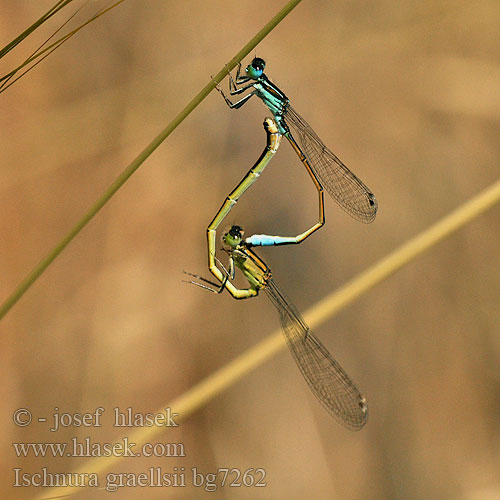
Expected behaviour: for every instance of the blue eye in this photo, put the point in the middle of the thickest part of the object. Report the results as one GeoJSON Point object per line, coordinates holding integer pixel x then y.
{"type": "Point", "coordinates": [256, 68]}
{"type": "Point", "coordinates": [259, 64]}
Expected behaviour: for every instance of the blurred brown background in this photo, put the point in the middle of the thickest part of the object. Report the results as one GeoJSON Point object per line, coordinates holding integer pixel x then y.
{"type": "Point", "coordinates": [406, 93]}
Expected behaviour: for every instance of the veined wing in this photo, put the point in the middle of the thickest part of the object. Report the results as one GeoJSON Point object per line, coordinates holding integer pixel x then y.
{"type": "Point", "coordinates": [342, 185]}
{"type": "Point", "coordinates": [326, 378]}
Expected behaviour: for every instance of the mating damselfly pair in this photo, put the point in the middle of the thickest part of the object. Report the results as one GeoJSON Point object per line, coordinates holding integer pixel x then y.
{"type": "Point", "coordinates": [326, 378]}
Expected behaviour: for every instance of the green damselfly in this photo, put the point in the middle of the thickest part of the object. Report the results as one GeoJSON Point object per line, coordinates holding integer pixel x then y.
{"type": "Point", "coordinates": [328, 381]}
{"type": "Point", "coordinates": [326, 169]}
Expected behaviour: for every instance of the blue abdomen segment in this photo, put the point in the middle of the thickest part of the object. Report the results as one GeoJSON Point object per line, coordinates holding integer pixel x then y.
{"type": "Point", "coordinates": [264, 240]}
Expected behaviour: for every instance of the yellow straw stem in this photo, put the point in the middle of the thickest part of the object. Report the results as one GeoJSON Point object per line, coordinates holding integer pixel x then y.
{"type": "Point", "coordinates": [340, 298]}
{"type": "Point", "coordinates": [228, 375]}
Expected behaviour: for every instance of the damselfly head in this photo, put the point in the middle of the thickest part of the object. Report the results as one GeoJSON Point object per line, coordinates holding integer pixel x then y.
{"type": "Point", "coordinates": [256, 68]}
{"type": "Point", "coordinates": [234, 236]}
{"type": "Point", "coordinates": [236, 231]}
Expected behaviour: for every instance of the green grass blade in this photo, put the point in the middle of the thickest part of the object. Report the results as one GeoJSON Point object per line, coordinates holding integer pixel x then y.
{"type": "Point", "coordinates": [53, 10]}
{"type": "Point", "coordinates": [26, 283]}
{"type": "Point", "coordinates": [45, 52]}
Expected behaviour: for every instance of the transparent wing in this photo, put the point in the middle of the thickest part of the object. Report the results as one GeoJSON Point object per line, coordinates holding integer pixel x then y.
{"type": "Point", "coordinates": [326, 378]}
{"type": "Point", "coordinates": [342, 185]}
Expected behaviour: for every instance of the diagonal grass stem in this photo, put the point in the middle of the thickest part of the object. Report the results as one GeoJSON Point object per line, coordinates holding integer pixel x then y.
{"type": "Point", "coordinates": [224, 378]}
{"type": "Point", "coordinates": [26, 283]}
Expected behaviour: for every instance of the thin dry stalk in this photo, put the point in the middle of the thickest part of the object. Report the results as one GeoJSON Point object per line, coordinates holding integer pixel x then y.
{"type": "Point", "coordinates": [203, 392]}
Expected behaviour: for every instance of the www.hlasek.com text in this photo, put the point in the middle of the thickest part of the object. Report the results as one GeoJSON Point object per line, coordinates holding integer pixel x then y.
{"type": "Point", "coordinates": [87, 448]}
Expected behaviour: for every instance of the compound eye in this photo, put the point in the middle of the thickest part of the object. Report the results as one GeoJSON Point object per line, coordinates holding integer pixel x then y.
{"type": "Point", "coordinates": [236, 231]}
{"type": "Point", "coordinates": [259, 64]}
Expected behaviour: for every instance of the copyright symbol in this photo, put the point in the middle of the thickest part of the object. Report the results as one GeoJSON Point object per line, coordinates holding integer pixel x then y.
{"type": "Point", "coordinates": [22, 417]}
